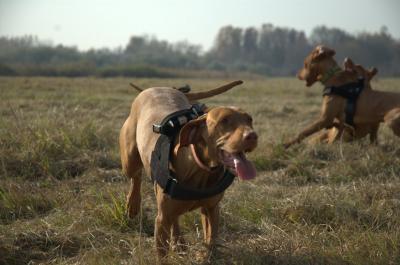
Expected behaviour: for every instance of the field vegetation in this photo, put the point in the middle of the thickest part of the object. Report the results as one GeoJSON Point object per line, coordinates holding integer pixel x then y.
{"type": "Point", "coordinates": [62, 193]}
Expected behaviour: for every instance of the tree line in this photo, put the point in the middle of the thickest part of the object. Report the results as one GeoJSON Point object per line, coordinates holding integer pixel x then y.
{"type": "Point", "coordinates": [267, 50]}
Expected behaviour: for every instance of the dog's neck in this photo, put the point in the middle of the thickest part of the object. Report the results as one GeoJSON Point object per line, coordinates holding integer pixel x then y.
{"type": "Point", "coordinates": [331, 74]}
{"type": "Point", "coordinates": [330, 70]}
{"type": "Point", "coordinates": [200, 154]}
{"type": "Point", "coordinates": [192, 173]}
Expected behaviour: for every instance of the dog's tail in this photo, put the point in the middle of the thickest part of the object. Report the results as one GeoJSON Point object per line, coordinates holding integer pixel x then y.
{"type": "Point", "coordinates": [213, 92]}
{"type": "Point", "coordinates": [203, 94]}
{"type": "Point", "coordinates": [136, 87]}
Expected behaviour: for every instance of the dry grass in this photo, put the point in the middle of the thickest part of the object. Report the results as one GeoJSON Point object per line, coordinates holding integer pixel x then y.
{"type": "Point", "coordinates": [62, 192]}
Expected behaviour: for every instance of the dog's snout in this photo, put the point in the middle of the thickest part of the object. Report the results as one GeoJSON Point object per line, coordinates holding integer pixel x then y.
{"type": "Point", "coordinates": [300, 74]}
{"type": "Point", "coordinates": [250, 136]}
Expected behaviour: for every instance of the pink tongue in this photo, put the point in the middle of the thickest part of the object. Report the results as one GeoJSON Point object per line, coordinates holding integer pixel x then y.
{"type": "Point", "coordinates": [244, 168]}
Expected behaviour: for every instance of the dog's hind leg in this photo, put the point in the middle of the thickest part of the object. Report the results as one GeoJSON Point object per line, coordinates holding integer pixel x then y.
{"type": "Point", "coordinates": [131, 166]}
{"type": "Point", "coordinates": [373, 135]}
{"type": "Point", "coordinates": [392, 119]}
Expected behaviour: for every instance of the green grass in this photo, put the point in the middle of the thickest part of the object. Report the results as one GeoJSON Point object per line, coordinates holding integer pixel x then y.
{"type": "Point", "coordinates": [62, 193]}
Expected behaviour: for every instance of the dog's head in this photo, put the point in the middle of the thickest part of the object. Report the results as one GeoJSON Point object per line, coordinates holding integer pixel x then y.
{"type": "Point", "coordinates": [316, 64]}
{"type": "Point", "coordinates": [227, 133]}
{"type": "Point", "coordinates": [359, 70]}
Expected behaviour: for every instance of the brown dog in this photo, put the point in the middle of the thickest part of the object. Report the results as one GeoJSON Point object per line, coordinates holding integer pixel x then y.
{"type": "Point", "coordinates": [204, 147]}
{"type": "Point", "coordinates": [372, 106]}
{"type": "Point", "coordinates": [340, 130]}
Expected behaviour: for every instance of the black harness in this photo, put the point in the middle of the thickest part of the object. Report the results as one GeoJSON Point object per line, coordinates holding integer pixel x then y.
{"type": "Point", "coordinates": [160, 158]}
{"type": "Point", "coordinates": [351, 92]}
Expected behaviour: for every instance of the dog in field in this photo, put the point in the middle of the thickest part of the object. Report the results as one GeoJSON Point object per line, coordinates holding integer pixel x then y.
{"type": "Point", "coordinates": [370, 108]}
{"type": "Point", "coordinates": [341, 131]}
{"type": "Point", "coordinates": [203, 149]}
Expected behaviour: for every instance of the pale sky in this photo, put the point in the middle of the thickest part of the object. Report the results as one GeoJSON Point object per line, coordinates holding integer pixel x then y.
{"type": "Point", "coordinates": [110, 23]}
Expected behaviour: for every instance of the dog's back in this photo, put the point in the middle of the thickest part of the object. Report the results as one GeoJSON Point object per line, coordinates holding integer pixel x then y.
{"type": "Point", "coordinates": [150, 107]}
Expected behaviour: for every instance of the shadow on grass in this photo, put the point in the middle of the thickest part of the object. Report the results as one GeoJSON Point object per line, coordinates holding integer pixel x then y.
{"type": "Point", "coordinates": [256, 256]}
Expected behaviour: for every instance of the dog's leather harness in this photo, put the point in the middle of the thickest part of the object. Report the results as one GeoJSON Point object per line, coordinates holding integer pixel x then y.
{"type": "Point", "coordinates": [351, 92]}
{"type": "Point", "coordinates": [160, 159]}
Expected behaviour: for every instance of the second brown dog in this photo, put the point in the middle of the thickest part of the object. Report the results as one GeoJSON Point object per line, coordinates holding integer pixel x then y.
{"type": "Point", "coordinates": [373, 107]}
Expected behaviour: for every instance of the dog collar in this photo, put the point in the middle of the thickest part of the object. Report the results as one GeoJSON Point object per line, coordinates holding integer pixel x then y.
{"type": "Point", "coordinates": [331, 72]}
{"type": "Point", "coordinates": [201, 163]}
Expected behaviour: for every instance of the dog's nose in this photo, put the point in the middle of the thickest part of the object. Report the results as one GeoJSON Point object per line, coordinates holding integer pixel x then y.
{"type": "Point", "coordinates": [250, 136]}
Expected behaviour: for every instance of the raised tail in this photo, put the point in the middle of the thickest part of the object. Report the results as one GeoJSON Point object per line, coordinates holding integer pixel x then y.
{"type": "Point", "coordinates": [213, 92]}
{"type": "Point", "coordinates": [136, 87]}
{"type": "Point", "coordinates": [203, 94]}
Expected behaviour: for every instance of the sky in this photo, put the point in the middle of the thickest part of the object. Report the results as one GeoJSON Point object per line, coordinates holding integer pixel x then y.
{"type": "Point", "coordinates": [110, 23]}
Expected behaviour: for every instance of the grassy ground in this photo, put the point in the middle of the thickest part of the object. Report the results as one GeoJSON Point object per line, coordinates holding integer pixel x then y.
{"type": "Point", "coordinates": [62, 192]}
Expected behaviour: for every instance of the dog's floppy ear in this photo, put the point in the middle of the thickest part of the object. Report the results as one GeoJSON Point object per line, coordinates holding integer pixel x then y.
{"type": "Point", "coordinates": [190, 132]}
{"type": "Point", "coordinates": [322, 52]}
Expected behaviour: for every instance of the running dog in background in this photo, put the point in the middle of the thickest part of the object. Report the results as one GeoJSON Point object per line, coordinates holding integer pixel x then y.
{"type": "Point", "coordinates": [341, 131]}
{"type": "Point", "coordinates": [370, 107]}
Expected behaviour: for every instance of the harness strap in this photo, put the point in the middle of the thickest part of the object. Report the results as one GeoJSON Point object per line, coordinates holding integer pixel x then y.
{"type": "Point", "coordinates": [172, 124]}
{"type": "Point", "coordinates": [165, 178]}
{"type": "Point", "coordinates": [351, 92]}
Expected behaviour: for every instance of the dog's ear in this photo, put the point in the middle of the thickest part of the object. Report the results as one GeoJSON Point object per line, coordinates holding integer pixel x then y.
{"type": "Point", "coordinates": [359, 69]}
{"type": "Point", "coordinates": [190, 132]}
{"type": "Point", "coordinates": [372, 72]}
{"type": "Point", "coordinates": [322, 52]}
{"type": "Point", "coordinates": [348, 64]}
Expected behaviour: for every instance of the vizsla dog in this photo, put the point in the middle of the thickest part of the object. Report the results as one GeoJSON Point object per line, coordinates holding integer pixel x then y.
{"type": "Point", "coordinates": [372, 108]}
{"type": "Point", "coordinates": [340, 130]}
{"type": "Point", "coordinates": [205, 146]}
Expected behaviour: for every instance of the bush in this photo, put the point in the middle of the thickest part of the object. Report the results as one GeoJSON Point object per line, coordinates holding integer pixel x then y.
{"type": "Point", "coordinates": [7, 71]}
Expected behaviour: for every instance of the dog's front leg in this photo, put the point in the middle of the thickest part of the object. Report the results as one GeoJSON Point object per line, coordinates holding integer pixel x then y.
{"type": "Point", "coordinates": [210, 219]}
{"type": "Point", "coordinates": [330, 110]}
{"type": "Point", "coordinates": [161, 236]}
{"type": "Point", "coordinates": [315, 127]}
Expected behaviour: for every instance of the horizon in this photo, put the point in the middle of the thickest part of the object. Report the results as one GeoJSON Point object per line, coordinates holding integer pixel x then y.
{"type": "Point", "coordinates": [50, 21]}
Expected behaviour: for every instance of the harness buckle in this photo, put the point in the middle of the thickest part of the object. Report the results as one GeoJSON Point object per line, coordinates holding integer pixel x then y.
{"type": "Point", "coordinates": [198, 108]}
{"type": "Point", "coordinates": [195, 111]}
{"type": "Point", "coordinates": [157, 128]}
{"type": "Point", "coordinates": [170, 186]}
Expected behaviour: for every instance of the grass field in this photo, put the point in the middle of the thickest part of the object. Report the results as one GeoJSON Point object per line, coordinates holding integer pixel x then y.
{"type": "Point", "coordinates": [62, 192]}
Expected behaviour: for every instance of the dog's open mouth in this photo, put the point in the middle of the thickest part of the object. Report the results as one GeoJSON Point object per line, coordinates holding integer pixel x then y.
{"type": "Point", "coordinates": [238, 164]}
